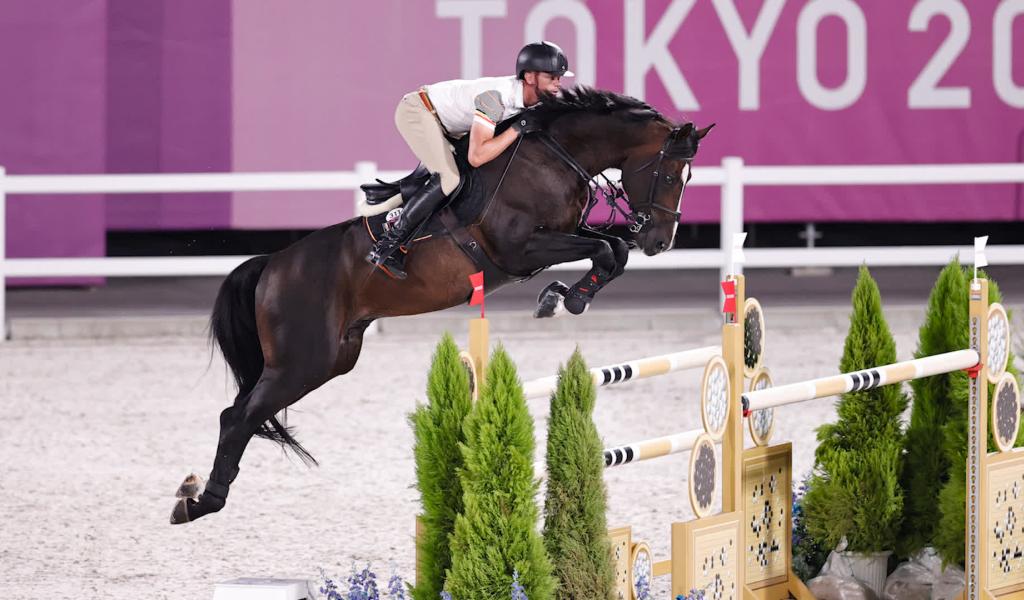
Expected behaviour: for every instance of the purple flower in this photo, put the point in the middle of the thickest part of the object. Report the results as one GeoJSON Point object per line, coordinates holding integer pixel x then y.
{"type": "Point", "coordinates": [517, 590]}
{"type": "Point", "coordinates": [395, 588]}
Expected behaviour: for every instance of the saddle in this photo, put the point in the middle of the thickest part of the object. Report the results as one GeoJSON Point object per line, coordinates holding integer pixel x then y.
{"type": "Point", "coordinates": [466, 200]}
{"type": "Point", "coordinates": [382, 191]}
{"type": "Point", "coordinates": [463, 208]}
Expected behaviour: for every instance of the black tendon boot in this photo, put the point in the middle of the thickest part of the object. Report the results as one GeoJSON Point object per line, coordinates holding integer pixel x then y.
{"type": "Point", "coordinates": [578, 297]}
{"type": "Point", "coordinates": [416, 210]}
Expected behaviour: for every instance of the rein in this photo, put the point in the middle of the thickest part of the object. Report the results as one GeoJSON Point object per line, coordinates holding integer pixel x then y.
{"type": "Point", "coordinates": [487, 204]}
{"type": "Point", "coordinates": [613, 191]}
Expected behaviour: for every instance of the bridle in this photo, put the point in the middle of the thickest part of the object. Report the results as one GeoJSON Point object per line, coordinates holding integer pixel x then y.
{"type": "Point", "coordinates": [640, 217]}
{"type": "Point", "coordinates": [636, 215]}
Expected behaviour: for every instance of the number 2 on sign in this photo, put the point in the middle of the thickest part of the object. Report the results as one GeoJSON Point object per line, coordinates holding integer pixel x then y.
{"type": "Point", "coordinates": [926, 92]}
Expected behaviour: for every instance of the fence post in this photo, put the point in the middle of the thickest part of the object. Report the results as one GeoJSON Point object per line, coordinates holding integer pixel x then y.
{"type": "Point", "coordinates": [366, 170]}
{"type": "Point", "coordinates": [732, 212]}
{"type": "Point", "coordinates": [3, 254]}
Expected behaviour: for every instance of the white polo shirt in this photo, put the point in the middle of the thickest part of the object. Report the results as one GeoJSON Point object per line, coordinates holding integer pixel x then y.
{"type": "Point", "coordinates": [488, 101]}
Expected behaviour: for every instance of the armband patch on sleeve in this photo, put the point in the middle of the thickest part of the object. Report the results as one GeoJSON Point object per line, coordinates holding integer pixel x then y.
{"type": "Point", "coordinates": [489, 108]}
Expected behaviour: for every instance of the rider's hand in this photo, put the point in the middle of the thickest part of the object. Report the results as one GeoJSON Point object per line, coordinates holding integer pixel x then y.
{"type": "Point", "coordinates": [527, 122]}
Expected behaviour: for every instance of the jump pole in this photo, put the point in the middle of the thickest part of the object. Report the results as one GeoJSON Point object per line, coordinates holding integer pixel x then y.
{"type": "Point", "coordinates": [859, 380]}
{"type": "Point", "coordinates": [476, 362]}
{"type": "Point", "coordinates": [630, 370]}
{"type": "Point", "coordinates": [652, 448]}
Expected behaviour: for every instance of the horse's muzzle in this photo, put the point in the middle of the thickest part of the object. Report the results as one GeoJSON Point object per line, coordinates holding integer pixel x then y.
{"type": "Point", "coordinates": [657, 247]}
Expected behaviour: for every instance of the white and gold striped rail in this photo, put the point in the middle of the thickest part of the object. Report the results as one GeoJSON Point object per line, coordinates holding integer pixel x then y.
{"type": "Point", "coordinates": [860, 380]}
{"type": "Point", "coordinates": [634, 369]}
{"type": "Point", "coordinates": [652, 448]}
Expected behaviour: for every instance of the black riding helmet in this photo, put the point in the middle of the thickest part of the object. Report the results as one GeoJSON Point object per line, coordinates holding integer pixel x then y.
{"type": "Point", "coordinates": [542, 56]}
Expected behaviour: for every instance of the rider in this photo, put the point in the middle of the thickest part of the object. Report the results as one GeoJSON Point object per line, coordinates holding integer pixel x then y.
{"type": "Point", "coordinates": [454, 108]}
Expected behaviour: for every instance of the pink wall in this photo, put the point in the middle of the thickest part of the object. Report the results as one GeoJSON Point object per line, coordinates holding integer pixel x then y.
{"type": "Point", "coordinates": [168, 107]}
{"type": "Point", "coordinates": [52, 63]}
{"type": "Point", "coordinates": [315, 85]}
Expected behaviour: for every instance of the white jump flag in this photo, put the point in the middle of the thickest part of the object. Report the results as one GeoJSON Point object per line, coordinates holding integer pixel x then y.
{"type": "Point", "coordinates": [738, 239]}
{"type": "Point", "coordinates": [980, 260]}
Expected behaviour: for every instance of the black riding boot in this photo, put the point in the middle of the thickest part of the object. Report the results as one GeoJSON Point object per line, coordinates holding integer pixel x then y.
{"type": "Point", "coordinates": [416, 210]}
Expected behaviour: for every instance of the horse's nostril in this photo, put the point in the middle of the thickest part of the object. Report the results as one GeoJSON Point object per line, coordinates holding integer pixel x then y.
{"type": "Point", "coordinates": [661, 246]}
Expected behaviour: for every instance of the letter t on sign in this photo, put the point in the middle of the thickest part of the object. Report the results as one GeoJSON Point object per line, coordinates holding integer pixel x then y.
{"type": "Point", "coordinates": [643, 53]}
{"type": "Point", "coordinates": [471, 13]}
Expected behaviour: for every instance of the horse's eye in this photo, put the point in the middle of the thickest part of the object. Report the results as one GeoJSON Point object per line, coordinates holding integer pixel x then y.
{"type": "Point", "coordinates": [669, 179]}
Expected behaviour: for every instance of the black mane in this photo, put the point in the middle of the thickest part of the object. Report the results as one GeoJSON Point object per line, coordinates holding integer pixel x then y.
{"type": "Point", "coordinates": [585, 99]}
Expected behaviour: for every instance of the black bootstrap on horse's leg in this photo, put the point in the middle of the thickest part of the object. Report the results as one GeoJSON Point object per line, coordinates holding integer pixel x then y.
{"type": "Point", "coordinates": [219, 491]}
{"type": "Point", "coordinates": [583, 291]}
{"type": "Point", "coordinates": [579, 295]}
{"type": "Point", "coordinates": [546, 248]}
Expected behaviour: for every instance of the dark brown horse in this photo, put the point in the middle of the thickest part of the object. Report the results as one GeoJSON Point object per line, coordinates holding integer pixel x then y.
{"type": "Point", "coordinates": [288, 322]}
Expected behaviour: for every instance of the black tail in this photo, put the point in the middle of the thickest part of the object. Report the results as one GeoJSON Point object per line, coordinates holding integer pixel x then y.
{"type": "Point", "coordinates": [233, 328]}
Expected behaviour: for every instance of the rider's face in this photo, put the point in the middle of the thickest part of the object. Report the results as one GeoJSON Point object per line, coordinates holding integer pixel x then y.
{"type": "Point", "coordinates": [548, 82]}
{"type": "Point", "coordinates": [544, 82]}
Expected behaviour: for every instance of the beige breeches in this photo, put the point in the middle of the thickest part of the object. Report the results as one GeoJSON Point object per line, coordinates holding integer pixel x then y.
{"type": "Point", "coordinates": [425, 137]}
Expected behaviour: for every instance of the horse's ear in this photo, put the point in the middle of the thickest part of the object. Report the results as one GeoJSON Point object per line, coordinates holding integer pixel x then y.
{"type": "Point", "coordinates": [685, 130]}
{"type": "Point", "coordinates": [703, 132]}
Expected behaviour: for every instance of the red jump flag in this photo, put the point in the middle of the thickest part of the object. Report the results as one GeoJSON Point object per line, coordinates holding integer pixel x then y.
{"type": "Point", "coordinates": [477, 281]}
{"type": "Point", "coordinates": [729, 288]}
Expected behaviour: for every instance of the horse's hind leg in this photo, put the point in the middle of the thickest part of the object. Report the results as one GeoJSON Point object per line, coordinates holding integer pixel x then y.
{"type": "Point", "coordinates": [276, 390]}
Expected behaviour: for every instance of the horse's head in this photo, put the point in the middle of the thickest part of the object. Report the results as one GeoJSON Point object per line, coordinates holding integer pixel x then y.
{"type": "Point", "coordinates": [654, 176]}
{"type": "Point", "coordinates": [603, 129]}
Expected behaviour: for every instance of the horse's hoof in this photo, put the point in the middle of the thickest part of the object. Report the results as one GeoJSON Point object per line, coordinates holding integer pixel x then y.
{"type": "Point", "coordinates": [556, 287]}
{"type": "Point", "coordinates": [577, 304]}
{"type": "Point", "coordinates": [551, 306]}
{"type": "Point", "coordinates": [180, 513]}
{"type": "Point", "coordinates": [550, 302]}
{"type": "Point", "coordinates": [191, 487]}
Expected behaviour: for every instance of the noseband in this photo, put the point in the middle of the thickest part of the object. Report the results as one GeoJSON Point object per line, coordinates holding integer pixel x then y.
{"type": "Point", "coordinates": [637, 216]}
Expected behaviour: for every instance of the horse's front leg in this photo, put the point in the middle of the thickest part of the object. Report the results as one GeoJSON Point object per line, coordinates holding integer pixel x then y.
{"type": "Point", "coordinates": [545, 247]}
{"type": "Point", "coordinates": [620, 249]}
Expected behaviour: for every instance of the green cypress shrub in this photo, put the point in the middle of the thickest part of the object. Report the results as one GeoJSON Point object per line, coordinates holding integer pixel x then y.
{"type": "Point", "coordinates": [854, 492]}
{"type": "Point", "coordinates": [857, 496]}
{"type": "Point", "coordinates": [927, 466]}
{"type": "Point", "coordinates": [438, 433]}
{"type": "Point", "coordinates": [496, 535]}
{"type": "Point", "coordinates": [575, 525]}
{"type": "Point", "coordinates": [950, 529]}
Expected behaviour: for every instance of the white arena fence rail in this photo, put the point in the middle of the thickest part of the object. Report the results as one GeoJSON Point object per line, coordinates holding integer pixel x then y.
{"type": "Point", "coordinates": [732, 177]}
